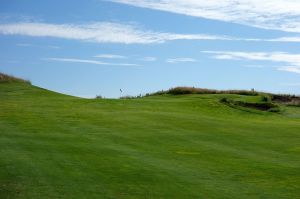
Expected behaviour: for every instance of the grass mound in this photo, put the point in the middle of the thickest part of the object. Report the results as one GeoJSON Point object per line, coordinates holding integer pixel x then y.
{"type": "Point", "coordinates": [4, 78]}
{"type": "Point", "coordinates": [286, 99]}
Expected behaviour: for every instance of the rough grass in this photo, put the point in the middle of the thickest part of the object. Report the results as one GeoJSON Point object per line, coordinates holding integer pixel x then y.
{"type": "Point", "coordinates": [193, 90]}
{"type": "Point", "coordinates": [291, 100]}
{"type": "Point", "coordinates": [183, 146]}
{"type": "Point", "coordinates": [262, 103]}
{"type": "Point", "coordinates": [287, 99]}
{"type": "Point", "coordinates": [4, 78]}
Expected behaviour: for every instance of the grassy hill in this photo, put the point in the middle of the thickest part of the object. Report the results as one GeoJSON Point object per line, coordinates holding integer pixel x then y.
{"type": "Point", "coordinates": [162, 146]}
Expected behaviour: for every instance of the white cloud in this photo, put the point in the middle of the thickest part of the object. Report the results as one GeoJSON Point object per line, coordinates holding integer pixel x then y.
{"type": "Point", "coordinates": [180, 59]}
{"type": "Point", "coordinates": [105, 32]}
{"type": "Point", "coordinates": [268, 14]}
{"type": "Point", "coordinates": [148, 59]}
{"type": "Point", "coordinates": [12, 61]}
{"type": "Point", "coordinates": [286, 39]}
{"type": "Point", "coordinates": [23, 45]}
{"type": "Point", "coordinates": [100, 32]}
{"type": "Point", "coordinates": [33, 45]}
{"type": "Point", "coordinates": [86, 61]}
{"type": "Point", "coordinates": [291, 61]}
{"type": "Point", "coordinates": [290, 84]}
{"type": "Point", "coordinates": [110, 56]}
{"type": "Point", "coordinates": [54, 47]}
{"type": "Point", "coordinates": [254, 66]}
{"type": "Point", "coordinates": [293, 69]}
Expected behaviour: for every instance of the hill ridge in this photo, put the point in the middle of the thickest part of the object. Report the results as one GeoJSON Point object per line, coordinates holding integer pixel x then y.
{"type": "Point", "coordinates": [10, 78]}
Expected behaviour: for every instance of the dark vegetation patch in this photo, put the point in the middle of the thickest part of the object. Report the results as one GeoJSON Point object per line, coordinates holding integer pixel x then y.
{"type": "Point", "coordinates": [193, 90]}
{"type": "Point", "coordinates": [290, 100]}
{"type": "Point", "coordinates": [263, 105]}
{"type": "Point", "coordinates": [99, 97]}
{"type": "Point", "coordinates": [8, 78]}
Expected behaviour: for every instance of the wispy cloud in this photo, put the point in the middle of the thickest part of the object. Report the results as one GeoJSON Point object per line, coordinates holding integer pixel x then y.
{"type": "Point", "coordinates": [39, 46]}
{"type": "Point", "coordinates": [103, 32]}
{"type": "Point", "coordinates": [110, 56]}
{"type": "Point", "coordinates": [286, 39]}
{"type": "Point", "coordinates": [292, 69]}
{"type": "Point", "coordinates": [87, 61]}
{"type": "Point", "coordinates": [23, 45]}
{"type": "Point", "coordinates": [268, 14]}
{"type": "Point", "coordinates": [11, 61]}
{"type": "Point", "coordinates": [290, 62]}
{"type": "Point", "coordinates": [254, 66]}
{"type": "Point", "coordinates": [148, 59]}
{"type": "Point", "coordinates": [180, 59]}
{"type": "Point", "coordinates": [290, 84]}
{"type": "Point", "coordinates": [54, 47]}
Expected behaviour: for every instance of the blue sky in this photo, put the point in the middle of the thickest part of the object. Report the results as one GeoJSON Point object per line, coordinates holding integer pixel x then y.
{"type": "Point", "coordinates": [94, 47]}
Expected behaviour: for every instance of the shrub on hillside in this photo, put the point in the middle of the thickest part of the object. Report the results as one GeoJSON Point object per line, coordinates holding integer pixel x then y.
{"type": "Point", "coordinates": [98, 97]}
{"type": "Point", "coordinates": [193, 90]}
{"type": "Point", "coordinates": [266, 98]}
{"type": "Point", "coordinates": [285, 98]}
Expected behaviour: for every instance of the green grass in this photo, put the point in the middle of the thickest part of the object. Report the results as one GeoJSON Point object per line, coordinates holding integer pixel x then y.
{"type": "Point", "coordinates": [185, 146]}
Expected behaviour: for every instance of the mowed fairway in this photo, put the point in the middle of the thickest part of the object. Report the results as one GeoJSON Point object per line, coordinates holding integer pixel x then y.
{"type": "Point", "coordinates": [189, 146]}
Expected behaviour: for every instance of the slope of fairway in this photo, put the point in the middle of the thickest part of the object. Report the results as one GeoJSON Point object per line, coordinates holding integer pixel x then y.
{"type": "Point", "coordinates": [189, 146]}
